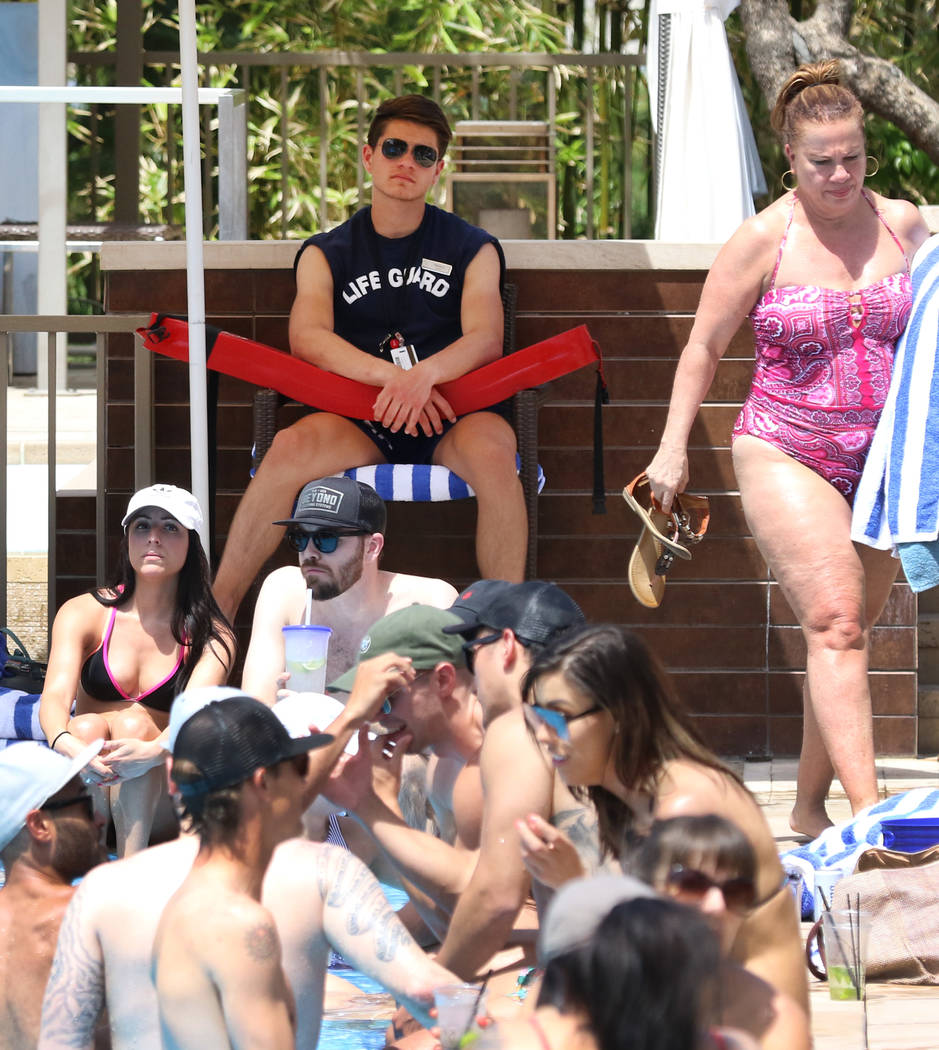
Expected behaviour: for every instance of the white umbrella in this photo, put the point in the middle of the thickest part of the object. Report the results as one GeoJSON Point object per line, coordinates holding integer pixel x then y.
{"type": "Point", "coordinates": [195, 280]}
{"type": "Point", "coordinates": [707, 162]}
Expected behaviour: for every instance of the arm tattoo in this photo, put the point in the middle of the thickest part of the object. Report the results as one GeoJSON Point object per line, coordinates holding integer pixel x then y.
{"type": "Point", "coordinates": [261, 942]}
{"type": "Point", "coordinates": [75, 992]}
{"type": "Point", "coordinates": [582, 828]}
{"type": "Point", "coordinates": [363, 905]}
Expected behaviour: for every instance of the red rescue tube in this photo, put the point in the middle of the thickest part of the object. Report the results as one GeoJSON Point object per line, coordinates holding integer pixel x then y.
{"type": "Point", "coordinates": [267, 367]}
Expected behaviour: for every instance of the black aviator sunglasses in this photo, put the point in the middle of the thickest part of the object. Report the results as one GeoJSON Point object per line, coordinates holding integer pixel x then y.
{"type": "Point", "coordinates": [393, 149]}
{"type": "Point", "coordinates": [325, 542]}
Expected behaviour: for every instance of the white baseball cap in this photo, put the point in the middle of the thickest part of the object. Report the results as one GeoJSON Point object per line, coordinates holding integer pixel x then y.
{"type": "Point", "coordinates": [298, 711]}
{"type": "Point", "coordinates": [181, 504]}
{"type": "Point", "coordinates": [295, 713]}
{"type": "Point", "coordinates": [192, 700]}
{"type": "Point", "coordinates": [30, 774]}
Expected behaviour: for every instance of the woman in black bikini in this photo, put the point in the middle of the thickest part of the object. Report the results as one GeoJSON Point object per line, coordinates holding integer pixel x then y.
{"type": "Point", "coordinates": [123, 653]}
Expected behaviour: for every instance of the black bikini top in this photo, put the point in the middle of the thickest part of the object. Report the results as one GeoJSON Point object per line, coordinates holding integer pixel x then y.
{"type": "Point", "coordinates": [100, 684]}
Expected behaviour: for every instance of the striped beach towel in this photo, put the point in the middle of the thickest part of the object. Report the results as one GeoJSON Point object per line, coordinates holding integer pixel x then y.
{"type": "Point", "coordinates": [19, 716]}
{"type": "Point", "coordinates": [841, 845]}
{"type": "Point", "coordinates": [419, 482]}
{"type": "Point", "coordinates": [897, 501]}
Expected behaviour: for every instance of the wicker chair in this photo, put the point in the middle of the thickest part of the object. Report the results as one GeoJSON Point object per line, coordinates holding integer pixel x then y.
{"type": "Point", "coordinates": [525, 405]}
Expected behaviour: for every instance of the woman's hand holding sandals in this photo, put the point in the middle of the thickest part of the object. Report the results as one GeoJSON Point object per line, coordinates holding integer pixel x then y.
{"type": "Point", "coordinates": [667, 474]}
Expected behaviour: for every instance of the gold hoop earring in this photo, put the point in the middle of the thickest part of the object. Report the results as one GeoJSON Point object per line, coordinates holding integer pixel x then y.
{"type": "Point", "coordinates": [785, 185]}
{"type": "Point", "coordinates": [871, 174]}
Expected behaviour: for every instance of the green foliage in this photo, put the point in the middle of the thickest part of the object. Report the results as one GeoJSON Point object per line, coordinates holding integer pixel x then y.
{"type": "Point", "coordinates": [906, 33]}
{"type": "Point", "coordinates": [295, 115]}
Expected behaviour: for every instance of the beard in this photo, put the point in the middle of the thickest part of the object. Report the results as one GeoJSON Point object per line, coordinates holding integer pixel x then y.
{"type": "Point", "coordinates": [340, 579]}
{"type": "Point", "coordinates": [78, 848]}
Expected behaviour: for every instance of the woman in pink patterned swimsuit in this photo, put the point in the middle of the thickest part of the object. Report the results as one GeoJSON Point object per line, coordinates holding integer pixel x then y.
{"type": "Point", "coordinates": [823, 275]}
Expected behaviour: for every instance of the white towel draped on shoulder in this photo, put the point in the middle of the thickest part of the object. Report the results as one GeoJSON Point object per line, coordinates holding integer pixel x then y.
{"type": "Point", "coordinates": [897, 500]}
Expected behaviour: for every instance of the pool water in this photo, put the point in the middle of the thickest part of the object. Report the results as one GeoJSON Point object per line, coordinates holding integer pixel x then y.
{"type": "Point", "coordinates": [338, 1034]}
{"type": "Point", "coordinates": [344, 1035]}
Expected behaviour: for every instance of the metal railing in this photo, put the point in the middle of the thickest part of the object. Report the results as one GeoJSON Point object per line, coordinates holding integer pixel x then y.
{"type": "Point", "coordinates": [51, 326]}
{"type": "Point", "coordinates": [401, 72]}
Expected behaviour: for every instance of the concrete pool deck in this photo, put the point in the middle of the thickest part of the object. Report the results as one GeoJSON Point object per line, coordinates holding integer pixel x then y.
{"type": "Point", "coordinates": [899, 1017]}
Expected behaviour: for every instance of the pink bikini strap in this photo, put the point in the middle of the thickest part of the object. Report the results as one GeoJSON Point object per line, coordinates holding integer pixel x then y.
{"type": "Point", "coordinates": [886, 225]}
{"type": "Point", "coordinates": [782, 243]}
{"type": "Point", "coordinates": [539, 1031]}
{"type": "Point", "coordinates": [105, 643]}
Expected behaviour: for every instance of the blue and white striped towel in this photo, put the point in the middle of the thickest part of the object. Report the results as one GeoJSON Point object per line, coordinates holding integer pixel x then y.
{"type": "Point", "coordinates": [897, 499]}
{"type": "Point", "coordinates": [19, 716]}
{"type": "Point", "coordinates": [841, 845]}
{"type": "Point", "coordinates": [419, 482]}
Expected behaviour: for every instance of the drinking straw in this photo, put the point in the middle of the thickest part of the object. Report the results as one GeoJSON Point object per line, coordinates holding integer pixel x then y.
{"type": "Point", "coordinates": [854, 928]}
{"type": "Point", "coordinates": [468, 1037]}
{"type": "Point", "coordinates": [853, 972]}
{"type": "Point", "coordinates": [864, 1043]}
{"type": "Point", "coordinates": [307, 616]}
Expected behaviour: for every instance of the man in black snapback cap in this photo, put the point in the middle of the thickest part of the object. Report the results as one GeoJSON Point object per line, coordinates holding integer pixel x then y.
{"type": "Point", "coordinates": [503, 624]}
{"type": "Point", "coordinates": [338, 532]}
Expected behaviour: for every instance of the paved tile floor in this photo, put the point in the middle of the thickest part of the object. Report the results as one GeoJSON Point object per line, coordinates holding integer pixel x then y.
{"type": "Point", "coordinates": [898, 1017]}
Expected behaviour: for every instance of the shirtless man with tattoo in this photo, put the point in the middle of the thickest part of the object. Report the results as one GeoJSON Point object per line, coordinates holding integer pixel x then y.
{"type": "Point", "coordinates": [321, 898]}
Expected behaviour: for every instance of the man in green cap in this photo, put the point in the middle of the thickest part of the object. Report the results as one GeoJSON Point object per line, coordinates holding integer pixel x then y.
{"type": "Point", "coordinates": [437, 713]}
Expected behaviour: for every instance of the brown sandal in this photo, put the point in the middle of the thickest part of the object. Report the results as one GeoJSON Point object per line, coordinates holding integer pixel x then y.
{"type": "Point", "coordinates": [660, 539]}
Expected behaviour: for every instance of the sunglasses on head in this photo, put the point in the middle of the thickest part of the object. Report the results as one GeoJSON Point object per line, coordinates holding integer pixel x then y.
{"type": "Point", "coordinates": [84, 799]}
{"type": "Point", "coordinates": [325, 541]}
{"type": "Point", "coordinates": [739, 893]}
{"type": "Point", "coordinates": [393, 149]}
{"type": "Point", "coordinates": [557, 722]}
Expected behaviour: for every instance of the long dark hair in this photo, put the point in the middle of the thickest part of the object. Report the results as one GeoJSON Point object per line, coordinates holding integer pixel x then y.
{"type": "Point", "coordinates": [616, 669]}
{"type": "Point", "coordinates": [197, 620]}
{"type": "Point", "coordinates": [646, 979]}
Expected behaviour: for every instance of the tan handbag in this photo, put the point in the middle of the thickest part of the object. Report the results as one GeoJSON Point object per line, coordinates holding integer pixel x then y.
{"type": "Point", "coordinates": [903, 907]}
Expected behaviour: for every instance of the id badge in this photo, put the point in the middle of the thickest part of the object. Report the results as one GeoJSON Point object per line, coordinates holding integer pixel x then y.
{"type": "Point", "coordinates": [401, 352]}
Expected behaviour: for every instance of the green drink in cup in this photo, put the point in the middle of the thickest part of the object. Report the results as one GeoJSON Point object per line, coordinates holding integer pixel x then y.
{"type": "Point", "coordinates": [845, 934]}
{"type": "Point", "coordinates": [305, 648]}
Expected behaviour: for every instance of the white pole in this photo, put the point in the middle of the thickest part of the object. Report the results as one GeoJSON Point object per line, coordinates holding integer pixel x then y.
{"type": "Point", "coordinates": [51, 284]}
{"type": "Point", "coordinates": [195, 284]}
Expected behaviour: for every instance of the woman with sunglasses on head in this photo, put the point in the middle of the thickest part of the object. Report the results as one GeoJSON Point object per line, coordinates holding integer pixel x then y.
{"type": "Point", "coordinates": [123, 653]}
{"type": "Point", "coordinates": [606, 715]}
{"type": "Point", "coordinates": [823, 274]}
{"type": "Point", "coordinates": [708, 863]}
{"type": "Point", "coordinates": [622, 969]}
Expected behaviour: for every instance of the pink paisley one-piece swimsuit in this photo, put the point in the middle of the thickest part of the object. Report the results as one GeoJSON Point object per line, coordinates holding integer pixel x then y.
{"type": "Point", "coordinates": [822, 369]}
